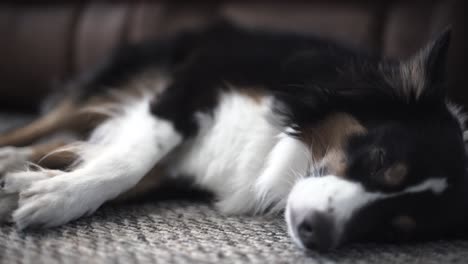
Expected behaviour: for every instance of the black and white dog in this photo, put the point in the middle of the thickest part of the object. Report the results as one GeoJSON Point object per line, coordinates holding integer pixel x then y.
{"type": "Point", "coordinates": [350, 146]}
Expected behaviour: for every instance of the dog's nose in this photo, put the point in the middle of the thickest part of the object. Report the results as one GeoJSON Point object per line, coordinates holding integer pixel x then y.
{"type": "Point", "coordinates": [316, 231]}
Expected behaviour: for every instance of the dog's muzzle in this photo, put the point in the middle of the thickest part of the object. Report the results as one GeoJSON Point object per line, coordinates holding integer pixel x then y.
{"type": "Point", "coordinates": [315, 230]}
{"type": "Point", "coordinates": [319, 208]}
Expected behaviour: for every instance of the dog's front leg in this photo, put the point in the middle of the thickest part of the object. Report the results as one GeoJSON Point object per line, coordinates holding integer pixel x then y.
{"type": "Point", "coordinates": [118, 155]}
{"type": "Point", "coordinates": [285, 164]}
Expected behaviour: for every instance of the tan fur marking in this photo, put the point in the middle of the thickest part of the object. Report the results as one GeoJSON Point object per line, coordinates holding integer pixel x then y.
{"type": "Point", "coordinates": [79, 116]}
{"type": "Point", "coordinates": [335, 162]}
{"type": "Point", "coordinates": [150, 182]}
{"type": "Point", "coordinates": [100, 107]}
{"type": "Point", "coordinates": [396, 174]}
{"type": "Point", "coordinates": [256, 93]}
{"type": "Point", "coordinates": [327, 139]}
{"type": "Point", "coordinates": [52, 122]}
{"type": "Point", "coordinates": [44, 156]}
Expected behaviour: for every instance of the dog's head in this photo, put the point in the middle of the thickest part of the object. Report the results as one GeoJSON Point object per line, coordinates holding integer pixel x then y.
{"type": "Point", "coordinates": [389, 159]}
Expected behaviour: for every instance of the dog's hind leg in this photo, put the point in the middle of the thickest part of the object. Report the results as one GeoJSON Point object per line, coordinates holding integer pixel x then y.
{"type": "Point", "coordinates": [54, 121]}
{"type": "Point", "coordinates": [17, 158]}
{"type": "Point", "coordinates": [120, 152]}
{"type": "Point", "coordinates": [31, 160]}
{"type": "Point", "coordinates": [153, 180]}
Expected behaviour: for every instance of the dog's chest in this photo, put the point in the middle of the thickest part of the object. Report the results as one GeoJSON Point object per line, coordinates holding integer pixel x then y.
{"type": "Point", "coordinates": [230, 151]}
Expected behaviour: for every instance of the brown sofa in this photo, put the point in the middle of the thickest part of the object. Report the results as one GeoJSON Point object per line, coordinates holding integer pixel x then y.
{"type": "Point", "coordinates": [44, 44]}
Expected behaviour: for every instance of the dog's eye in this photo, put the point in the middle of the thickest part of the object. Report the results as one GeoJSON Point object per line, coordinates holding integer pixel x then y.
{"type": "Point", "coordinates": [385, 173]}
{"type": "Point", "coordinates": [377, 161]}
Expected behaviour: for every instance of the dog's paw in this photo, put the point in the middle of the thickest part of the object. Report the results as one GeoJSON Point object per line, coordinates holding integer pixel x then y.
{"type": "Point", "coordinates": [8, 203]}
{"type": "Point", "coordinates": [12, 158]}
{"type": "Point", "coordinates": [15, 182]}
{"type": "Point", "coordinates": [52, 202]}
{"type": "Point", "coordinates": [12, 184]}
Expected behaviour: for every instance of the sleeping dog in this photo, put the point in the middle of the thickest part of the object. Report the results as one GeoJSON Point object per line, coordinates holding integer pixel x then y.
{"type": "Point", "coordinates": [350, 146]}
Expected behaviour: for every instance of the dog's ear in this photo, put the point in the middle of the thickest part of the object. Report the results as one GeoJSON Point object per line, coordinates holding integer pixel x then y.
{"type": "Point", "coordinates": [426, 70]}
{"type": "Point", "coordinates": [436, 57]}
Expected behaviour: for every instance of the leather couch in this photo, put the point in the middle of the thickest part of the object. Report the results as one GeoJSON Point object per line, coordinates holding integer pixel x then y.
{"type": "Point", "coordinates": [45, 44]}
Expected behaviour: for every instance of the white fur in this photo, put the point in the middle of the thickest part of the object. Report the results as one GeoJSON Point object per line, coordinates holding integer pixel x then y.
{"type": "Point", "coordinates": [339, 198]}
{"type": "Point", "coordinates": [119, 153]}
{"type": "Point", "coordinates": [239, 155]}
{"type": "Point", "coordinates": [245, 160]}
{"type": "Point", "coordinates": [457, 112]}
{"type": "Point", "coordinates": [12, 158]}
{"type": "Point", "coordinates": [288, 161]}
{"type": "Point", "coordinates": [13, 183]}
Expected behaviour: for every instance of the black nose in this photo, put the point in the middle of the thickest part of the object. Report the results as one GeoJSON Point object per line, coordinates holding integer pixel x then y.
{"type": "Point", "coordinates": [316, 231]}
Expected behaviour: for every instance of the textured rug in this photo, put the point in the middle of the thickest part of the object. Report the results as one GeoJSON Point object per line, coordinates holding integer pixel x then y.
{"type": "Point", "coordinates": [188, 232]}
{"type": "Point", "coordinates": [182, 232]}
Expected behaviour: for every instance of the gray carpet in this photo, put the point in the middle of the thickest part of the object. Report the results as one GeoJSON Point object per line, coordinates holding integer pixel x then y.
{"type": "Point", "coordinates": [177, 232]}
{"type": "Point", "coordinates": [184, 232]}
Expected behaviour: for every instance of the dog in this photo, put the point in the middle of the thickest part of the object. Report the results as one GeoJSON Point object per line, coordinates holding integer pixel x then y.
{"type": "Point", "coordinates": [350, 146]}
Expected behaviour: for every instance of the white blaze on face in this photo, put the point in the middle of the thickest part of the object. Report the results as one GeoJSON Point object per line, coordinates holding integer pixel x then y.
{"type": "Point", "coordinates": [340, 199]}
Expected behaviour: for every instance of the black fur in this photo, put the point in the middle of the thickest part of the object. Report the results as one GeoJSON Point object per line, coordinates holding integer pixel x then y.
{"type": "Point", "coordinates": [203, 63]}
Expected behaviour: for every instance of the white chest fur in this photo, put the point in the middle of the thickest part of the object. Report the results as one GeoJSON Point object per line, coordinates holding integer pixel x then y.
{"type": "Point", "coordinates": [246, 161]}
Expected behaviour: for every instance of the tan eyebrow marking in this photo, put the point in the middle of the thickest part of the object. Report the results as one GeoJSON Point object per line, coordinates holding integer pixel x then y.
{"type": "Point", "coordinates": [326, 140]}
{"type": "Point", "coordinates": [396, 174]}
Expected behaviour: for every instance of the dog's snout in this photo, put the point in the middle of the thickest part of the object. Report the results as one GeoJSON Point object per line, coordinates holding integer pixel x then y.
{"type": "Point", "coordinates": [316, 231]}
